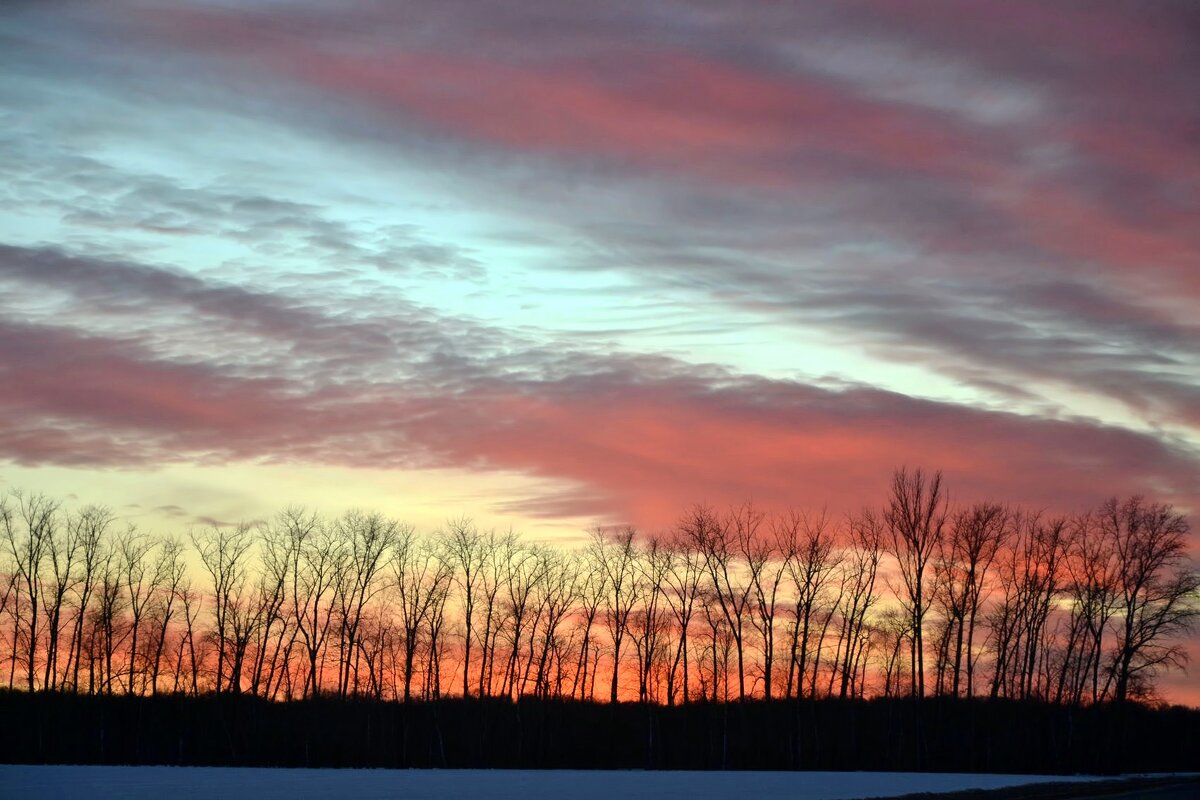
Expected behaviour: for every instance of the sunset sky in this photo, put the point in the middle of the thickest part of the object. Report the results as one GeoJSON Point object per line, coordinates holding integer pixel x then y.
{"type": "Point", "coordinates": [554, 263]}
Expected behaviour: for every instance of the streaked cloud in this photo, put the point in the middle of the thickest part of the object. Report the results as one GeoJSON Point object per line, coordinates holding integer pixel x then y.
{"type": "Point", "coordinates": [646, 252]}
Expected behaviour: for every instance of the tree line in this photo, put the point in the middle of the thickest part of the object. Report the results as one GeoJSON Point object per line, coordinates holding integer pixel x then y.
{"type": "Point", "coordinates": [915, 598]}
{"type": "Point", "coordinates": [828, 733]}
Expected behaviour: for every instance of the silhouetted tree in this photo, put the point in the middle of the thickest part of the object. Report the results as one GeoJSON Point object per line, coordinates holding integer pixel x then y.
{"type": "Point", "coordinates": [368, 539]}
{"type": "Point", "coordinates": [966, 554]}
{"type": "Point", "coordinates": [682, 579]}
{"type": "Point", "coordinates": [811, 559]}
{"type": "Point", "coordinates": [30, 527]}
{"type": "Point", "coordinates": [1032, 577]}
{"type": "Point", "coordinates": [224, 553]}
{"type": "Point", "coordinates": [468, 551]}
{"type": "Point", "coordinates": [649, 621]}
{"type": "Point", "coordinates": [616, 559]}
{"type": "Point", "coordinates": [915, 517]}
{"type": "Point", "coordinates": [1156, 592]}
{"type": "Point", "coordinates": [721, 542]}
{"type": "Point", "coordinates": [91, 526]}
{"type": "Point", "coordinates": [420, 575]}
{"type": "Point", "coordinates": [133, 550]}
{"type": "Point", "coordinates": [64, 548]}
{"type": "Point", "coordinates": [168, 579]}
{"type": "Point", "coordinates": [860, 570]}
{"type": "Point", "coordinates": [1076, 609]}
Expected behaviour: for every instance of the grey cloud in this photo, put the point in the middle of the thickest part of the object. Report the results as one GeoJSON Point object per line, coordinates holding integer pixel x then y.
{"type": "Point", "coordinates": [1023, 234]}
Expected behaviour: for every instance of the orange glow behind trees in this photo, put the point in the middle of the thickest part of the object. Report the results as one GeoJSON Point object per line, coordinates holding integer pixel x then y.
{"type": "Point", "coordinates": [918, 597]}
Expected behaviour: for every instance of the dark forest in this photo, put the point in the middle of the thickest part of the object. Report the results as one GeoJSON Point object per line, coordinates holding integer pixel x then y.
{"type": "Point", "coordinates": [919, 635]}
{"type": "Point", "coordinates": [892, 734]}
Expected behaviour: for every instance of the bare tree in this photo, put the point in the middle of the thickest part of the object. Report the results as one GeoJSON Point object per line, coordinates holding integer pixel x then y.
{"type": "Point", "coordinates": [560, 590]}
{"type": "Point", "coordinates": [1093, 569]}
{"type": "Point", "coordinates": [491, 578]}
{"type": "Point", "coordinates": [526, 567]}
{"type": "Point", "coordinates": [224, 553]}
{"type": "Point", "coordinates": [106, 625]}
{"type": "Point", "coordinates": [1031, 572]}
{"type": "Point", "coordinates": [894, 629]}
{"type": "Point", "coordinates": [767, 559]}
{"type": "Point", "coordinates": [29, 530]}
{"type": "Point", "coordinates": [91, 526]}
{"type": "Point", "coordinates": [318, 560]}
{"type": "Point", "coordinates": [616, 559]}
{"type": "Point", "coordinates": [420, 575]}
{"type": "Point", "coordinates": [718, 650]}
{"type": "Point", "coordinates": [168, 578]}
{"type": "Point", "coordinates": [683, 585]}
{"type": "Point", "coordinates": [591, 597]}
{"type": "Point", "coordinates": [811, 560]}
{"type": "Point", "coordinates": [9, 597]}
{"type": "Point", "coordinates": [192, 602]}
{"type": "Point", "coordinates": [1075, 609]}
{"type": "Point", "coordinates": [271, 597]}
{"type": "Point", "coordinates": [435, 626]}
{"type": "Point", "coordinates": [369, 539]}
{"type": "Point", "coordinates": [468, 550]}
{"type": "Point", "coordinates": [966, 554]}
{"type": "Point", "coordinates": [718, 541]}
{"type": "Point", "coordinates": [1156, 591]}
{"type": "Point", "coordinates": [11, 587]}
{"type": "Point", "coordinates": [915, 517]}
{"type": "Point", "coordinates": [133, 550]}
{"type": "Point", "coordinates": [63, 552]}
{"type": "Point", "coordinates": [650, 619]}
{"type": "Point", "coordinates": [861, 568]}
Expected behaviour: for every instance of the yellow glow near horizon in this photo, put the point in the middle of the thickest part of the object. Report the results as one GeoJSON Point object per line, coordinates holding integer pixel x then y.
{"type": "Point", "coordinates": [174, 499]}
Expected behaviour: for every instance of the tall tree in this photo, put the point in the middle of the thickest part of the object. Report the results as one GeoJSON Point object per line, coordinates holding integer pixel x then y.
{"type": "Point", "coordinates": [63, 553]}
{"type": "Point", "coordinates": [224, 554]}
{"type": "Point", "coordinates": [368, 540]}
{"type": "Point", "coordinates": [965, 558]}
{"type": "Point", "coordinates": [170, 570]}
{"type": "Point", "coordinates": [133, 550]}
{"type": "Point", "coordinates": [811, 558]}
{"type": "Point", "coordinates": [683, 586]}
{"type": "Point", "coordinates": [420, 574]}
{"type": "Point", "coordinates": [915, 517]}
{"type": "Point", "coordinates": [615, 556]}
{"type": "Point", "coordinates": [720, 541]}
{"type": "Point", "coordinates": [767, 562]}
{"type": "Point", "coordinates": [468, 550]}
{"type": "Point", "coordinates": [1156, 589]}
{"type": "Point", "coordinates": [29, 529]}
{"type": "Point", "coordinates": [91, 526]}
{"type": "Point", "coordinates": [860, 572]}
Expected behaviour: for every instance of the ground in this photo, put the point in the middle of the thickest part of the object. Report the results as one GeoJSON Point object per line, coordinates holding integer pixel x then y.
{"type": "Point", "coordinates": [182, 783]}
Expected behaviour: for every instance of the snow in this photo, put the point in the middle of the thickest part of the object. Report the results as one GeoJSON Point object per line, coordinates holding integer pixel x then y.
{"type": "Point", "coordinates": [231, 783]}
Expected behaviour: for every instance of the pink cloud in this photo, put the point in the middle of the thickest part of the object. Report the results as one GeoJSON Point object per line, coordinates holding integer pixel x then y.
{"type": "Point", "coordinates": [691, 114]}
{"type": "Point", "coordinates": [641, 440]}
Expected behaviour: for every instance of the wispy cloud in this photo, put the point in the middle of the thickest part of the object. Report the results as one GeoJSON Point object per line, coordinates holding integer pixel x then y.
{"type": "Point", "coordinates": [639, 436]}
{"type": "Point", "coordinates": [519, 237]}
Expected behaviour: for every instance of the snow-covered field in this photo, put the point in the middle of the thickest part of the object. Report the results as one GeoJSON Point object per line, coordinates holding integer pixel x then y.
{"type": "Point", "coordinates": [231, 783]}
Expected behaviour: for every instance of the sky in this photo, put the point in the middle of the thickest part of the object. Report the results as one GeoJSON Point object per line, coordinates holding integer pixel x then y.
{"type": "Point", "coordinates": [558, 263]}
